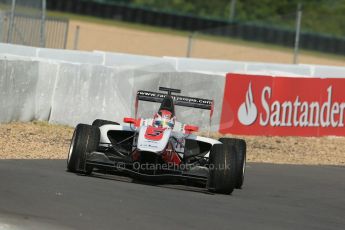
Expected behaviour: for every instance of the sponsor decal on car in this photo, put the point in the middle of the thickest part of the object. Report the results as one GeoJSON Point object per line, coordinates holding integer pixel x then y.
{"type": "Point", "coordinates": [265, 105]}
{"type": "Point", "coordinates": [178, 100]}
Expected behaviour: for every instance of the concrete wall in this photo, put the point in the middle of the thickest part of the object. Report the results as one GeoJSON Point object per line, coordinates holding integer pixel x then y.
{"type": "Point", "coordinates": [18, 50]}
{"type": "Point", "coordinates": [70, 87]}
{"type": "Point", "coordinates": [71, 56]}
{"type": "Point", "coordinates": [219, 67]}
{"type": "Point", "coordinates": [121, 59]}
{"type": "Point", "coordinates": [70, 93]}
{"type": "Point", "coordinates": [26, 90]}
{"type": "Point", "coordinates": [17, 91]}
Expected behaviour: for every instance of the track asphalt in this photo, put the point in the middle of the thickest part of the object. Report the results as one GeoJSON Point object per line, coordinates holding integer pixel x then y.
{"type": "Point", "coordinates": [40, 194]}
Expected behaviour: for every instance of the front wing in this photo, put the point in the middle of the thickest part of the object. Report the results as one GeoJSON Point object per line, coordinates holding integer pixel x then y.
{"type": "Point", "coordinates": [114, 165]}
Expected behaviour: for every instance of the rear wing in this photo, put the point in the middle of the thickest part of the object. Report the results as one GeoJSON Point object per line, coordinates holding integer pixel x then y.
{"type": "Point", "coordinates": [192, 102]}
{"type": "Point", "coordinates": [178, 100]}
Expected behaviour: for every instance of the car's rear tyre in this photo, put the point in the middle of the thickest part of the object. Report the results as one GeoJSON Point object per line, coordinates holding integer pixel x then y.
{"type": "Point", "coordinates": [222, 169]}
{"type": "Point", "coordinates": [99, 123]}
{"type": "Point", "coordinates": [241, 149]}
{"type": "Point", "coordinates": [85, 140]}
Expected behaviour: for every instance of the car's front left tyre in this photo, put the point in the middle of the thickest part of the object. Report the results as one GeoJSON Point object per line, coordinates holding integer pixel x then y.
{"type": "Point", "coordinates": [85, 140]}
{"type": "Point", "coordinates": [222, 169]}
{"type": "Point", "coordinates": [241, 149]}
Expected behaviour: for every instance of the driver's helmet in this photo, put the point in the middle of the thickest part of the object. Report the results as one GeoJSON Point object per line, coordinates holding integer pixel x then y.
{"type": "Point", "coordinates": [164, 119]}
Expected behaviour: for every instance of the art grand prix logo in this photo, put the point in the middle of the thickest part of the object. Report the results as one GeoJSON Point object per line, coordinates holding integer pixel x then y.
{"type": "Point", "coordinates": [248, 112]}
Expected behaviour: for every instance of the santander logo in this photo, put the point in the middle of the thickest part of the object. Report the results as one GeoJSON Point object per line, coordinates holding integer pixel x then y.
{"type": "Point", "coordinates": [294, 113]}
{"type": "Point", "coordinates": [248, 112]}
{"type": "Point", "coordinates": [283, 106]}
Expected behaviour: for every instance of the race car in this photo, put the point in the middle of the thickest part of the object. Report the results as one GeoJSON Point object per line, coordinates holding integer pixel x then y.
{"type": "Point", "coordinates": [160, 149]}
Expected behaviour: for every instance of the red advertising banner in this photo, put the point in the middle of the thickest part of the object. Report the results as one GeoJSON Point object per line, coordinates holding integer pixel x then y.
{"type": "Point", "coordinates": [283, 106]}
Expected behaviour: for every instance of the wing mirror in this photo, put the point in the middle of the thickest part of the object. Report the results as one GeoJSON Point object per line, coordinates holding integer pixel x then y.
{"type": "Point", "coordinates": [131, 120]}
{"type": "Point", "coordinates": [191, 128]}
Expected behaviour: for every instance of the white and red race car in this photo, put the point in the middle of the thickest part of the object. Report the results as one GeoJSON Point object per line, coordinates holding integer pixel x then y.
{"type": "Point", "coordinates": [160, 149]}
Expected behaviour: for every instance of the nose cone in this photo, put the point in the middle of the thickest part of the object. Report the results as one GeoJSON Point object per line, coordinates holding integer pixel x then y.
{"type": "Point", "coordinates": [152, 139]}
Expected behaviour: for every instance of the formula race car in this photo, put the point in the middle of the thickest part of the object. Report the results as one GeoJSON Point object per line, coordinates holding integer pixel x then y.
{"type": "Point", "coordinates": [160, 149]}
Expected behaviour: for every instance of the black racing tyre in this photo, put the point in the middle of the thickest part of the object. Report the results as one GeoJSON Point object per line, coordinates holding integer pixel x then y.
{"type": "Point", "coordinates": [241, 151]}
{"type": "Point", "coordinates": [85, 140]}
{"type": "Point", "coordinates": [99, 123]}
{"type": "Point", "coordinates": [222, 169]}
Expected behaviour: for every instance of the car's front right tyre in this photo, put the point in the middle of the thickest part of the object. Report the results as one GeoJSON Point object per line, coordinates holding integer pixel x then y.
{"type": "Point", "coordinates": [100, 122]}
{"type": "Point", "coordinates": [85, 140]}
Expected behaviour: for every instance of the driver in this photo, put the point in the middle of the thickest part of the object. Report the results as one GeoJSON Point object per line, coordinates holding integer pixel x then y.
{"type": "Point", "coordinates": [164, 119]}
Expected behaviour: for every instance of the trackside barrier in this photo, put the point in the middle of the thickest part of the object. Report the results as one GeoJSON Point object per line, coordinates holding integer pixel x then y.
{"type": "Point", "coordinates": [67, 93]}
{"type": "Point", "coordinates": [69, 87]}
{"type": "Point", "coordinates": [18, 50]}
{"type": "Point", "coordinates": [26, 89]}
{"type": "Point", "coordinates": [120, 59]}
{"type": "Point", "coordinates": [86, 92]}
{"type": "Point", "coordinates": [283, 106]}
{"type": "Point", "coordinates": [219, 67]}
{"type": "Point", "coordinates": [17, 91]}
{"type": "Point", "coordinates": [70, 56]}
